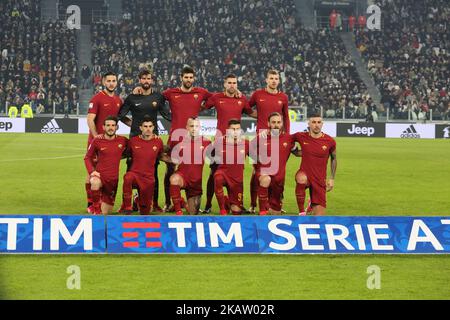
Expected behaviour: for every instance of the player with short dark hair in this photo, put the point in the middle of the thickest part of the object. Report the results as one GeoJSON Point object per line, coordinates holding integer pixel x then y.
{"type": "Point", "coordinates": [272, 148]}
{"type": "Point", "coordinates": [147, 104]}
{"type": "Point", "coordinates": [144, 150]}
{"type": "Point", "coordinates": [228, 106]}
{"type": "Point", "coordinates": [104, 173]}
{"type": "Point", "coordinates": [185, 102]}
{"type": "Point", "coordinates": [105, 103]}
{"type": "Point", "coordinates": [229, 155]}
{"type": "Point", "coordinates": [190, 155]}
{"type": "Point", "coordinates": [268, 100]}
{"type": "Point", "coordinates": [316, 148]}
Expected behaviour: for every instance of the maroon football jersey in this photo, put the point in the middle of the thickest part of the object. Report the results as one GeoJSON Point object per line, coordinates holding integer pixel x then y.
{"type": "Point", "coordinates": [184, 105]}
{"type": "Point", "coordinates": [267, 103]}
{"type": "Point", "coordinates": [103, 106]}
{"type": "Point", "coordinates": [315, 154]}
{"type": "Point", "coordinates": [108, 153]}
{"type": "Point", "coordinates": [230, 157]}
{"type": "Point", "coordinates": [227, 108]}
{"type": "Point", "coordinates": [144, 154]}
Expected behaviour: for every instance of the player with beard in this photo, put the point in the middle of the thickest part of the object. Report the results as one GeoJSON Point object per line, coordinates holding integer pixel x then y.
{"type": "Point", "coordinates": [272, 148]}
{"type": "Point", "coordinates": [103, 104]}
{"type": "Point", "coordinates": [267, 101]}
{"type": "Point", "coordinates": [107, 149]}
{"type": "Point", "coordinates": [228, 106]}
{"type": "Point", "coordinates": [189, 153]}
{"type": "Point", "coordinates": [316, 148]}
{"type": "Point", "coordinates": [185, 102]}
{"type": "Point", "coordinates": [144, 150]}
{"type": "Point", "coordinates": [229, 155]}
{"type": "Point", "coordinates": [146, 104]}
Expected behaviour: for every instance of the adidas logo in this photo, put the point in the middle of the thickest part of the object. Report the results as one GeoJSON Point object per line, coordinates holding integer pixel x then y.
{"type": "Point", "coordinates": [410, 132]}
{"type": "Point", "coordinates": [161, 128]}
{"type": "Point", "coordinates": [51, 127]}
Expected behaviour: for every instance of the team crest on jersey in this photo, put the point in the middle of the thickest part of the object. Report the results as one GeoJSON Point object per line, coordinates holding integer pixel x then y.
{"type": "Point", "coordinates": [120, 146]}
{"type": "Point", "coordinates": [239, 102]}
{"type": "Point", "coordinates": [155, 148]}
{"type": "Point", "coordinates": [118, 104]}
{"type": "Point", "coordinates": [154, 104]}
{"type": "Point", "coordinates": [91, 105]}
{"type": "Point", "coordinates": [324, 148]}
{"type": "Point", "coordinates": [195, 96]}
{"type": "Point", "coordinates": [285, 144]}
{"type": "Point", "coordinates": [280, 102]}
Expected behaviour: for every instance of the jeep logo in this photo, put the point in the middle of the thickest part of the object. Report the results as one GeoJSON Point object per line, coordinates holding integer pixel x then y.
{"type": "Point", "coordinates": [5, 125]}
{"type": "Point", "coordinates": [366, 131]}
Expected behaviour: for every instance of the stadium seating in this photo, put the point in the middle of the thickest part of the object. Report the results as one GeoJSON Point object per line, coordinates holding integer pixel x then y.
{"type": "Point", "coordinates": [409, 58]}
{"type": "Point", "coordinates": [38, 60]}
{"type": "Point", "coordinates": [219, 37]}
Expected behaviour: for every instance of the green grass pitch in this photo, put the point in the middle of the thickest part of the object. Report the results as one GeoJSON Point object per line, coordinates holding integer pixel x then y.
{"type": "Point", "coordinates": [44, 174]}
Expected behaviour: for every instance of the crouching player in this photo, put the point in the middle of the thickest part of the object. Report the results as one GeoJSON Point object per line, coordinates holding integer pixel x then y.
{"type": "Point", "coordinates": [229, 154]}
{"type": "Point", "coordinates": [104, 174]}
{"type": "Point", "coordinates": [144, 150]}
{"type": "Point", "coordinates": [317, 147]}
{"type": "Point", "coordinates": [190, 156]}
{"type": "Point", "coordinates": [273, 149]}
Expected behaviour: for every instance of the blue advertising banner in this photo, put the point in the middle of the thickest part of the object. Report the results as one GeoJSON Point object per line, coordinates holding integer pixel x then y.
{"type": "Point", "coordinates": [181, 234]}
{"type": "Point", "coordinates": [219, 234]}
{"type": "Point", "coordinates": [52, 234]}
{"type": "Point", "coordinates": [283, 234]}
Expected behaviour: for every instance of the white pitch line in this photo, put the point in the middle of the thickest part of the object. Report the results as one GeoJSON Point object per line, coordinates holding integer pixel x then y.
{"type": "Point", "coordinates": [51, 158]}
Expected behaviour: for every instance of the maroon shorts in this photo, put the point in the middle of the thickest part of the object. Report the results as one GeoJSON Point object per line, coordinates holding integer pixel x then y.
{"type": "Point", "coordinates": [317, 191]}
{"type": "Point", "coordinates": [109, 190]}
{"type": "Point", "coordinates": [193, 187]}
{"type": "Point", "coordinates": [235, 188]}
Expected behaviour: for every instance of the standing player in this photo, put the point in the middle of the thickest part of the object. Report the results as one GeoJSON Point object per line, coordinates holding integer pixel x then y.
{"type": "Point", "coordinates": [228, 106]}
{"type": "Point", "coordinates": [230, 152]}
{"type": "Point", "coordinates": [149, 103]}
{"type": "Point", "coordinates": [104, 173]}
{"type": "Point", "coordinates": [190, 155]}
{"type": "Point", "coordinates": [184, 102]}
{"type": "Point", "coordinates": [144, 150]}
{"type": "Point", "coordinates": [267, 101]}
{"type": "Point", "coordinates": [273, 149]}
{"type": "Point", "coordinates": [103, 104]}
{"type": "Point", "coordinates": [316, 147]}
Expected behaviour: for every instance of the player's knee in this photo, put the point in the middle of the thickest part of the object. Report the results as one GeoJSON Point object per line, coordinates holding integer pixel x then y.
{"type": "Point", "coordinates": [301, 178]}
{"type": "Point", "coordinates": [264, 181]}
{"type": "Point", "coordinates": [176, 180]}
{"type": "Point", "coordinates": [219, 179]}
{"type": "Point", "coordinates": [96, 183]}
{"type": "Point", "coordinates": [128, 178]}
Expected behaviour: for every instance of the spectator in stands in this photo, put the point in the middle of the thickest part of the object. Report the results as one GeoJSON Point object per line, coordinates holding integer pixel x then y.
{"type": "Point", "coordinates": [86, 76]}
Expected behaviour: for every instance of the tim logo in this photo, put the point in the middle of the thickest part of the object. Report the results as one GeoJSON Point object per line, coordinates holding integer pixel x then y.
{"type": "Point", "coordinates": [133, 231]}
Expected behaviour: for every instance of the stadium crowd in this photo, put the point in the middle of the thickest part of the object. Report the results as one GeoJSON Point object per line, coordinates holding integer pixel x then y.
{"type": "Point", "coordinates": [219, 37]}
{"type": "Point", "coordinates": [38, 60]}
{"type": "Point", "coordinates": [409, 58]}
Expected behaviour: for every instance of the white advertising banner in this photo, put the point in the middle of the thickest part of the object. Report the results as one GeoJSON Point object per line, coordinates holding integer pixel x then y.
{"type": "Point", "coordinates": [12, 125]}
{"type": "Point", "coordinates": [410, 131]}
{"type": "Point", "coordinates": [83, 127]}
